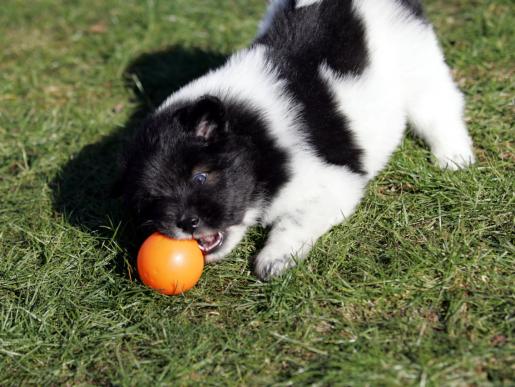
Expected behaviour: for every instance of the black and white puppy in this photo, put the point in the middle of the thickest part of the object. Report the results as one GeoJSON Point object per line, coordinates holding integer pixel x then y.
{"type": "Point", "coordinates": [289, 131]}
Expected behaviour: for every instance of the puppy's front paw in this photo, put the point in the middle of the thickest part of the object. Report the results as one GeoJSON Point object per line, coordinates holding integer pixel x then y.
{"type": "Point", "coordinates": [455, 158]}
{"type": "Point", "coordinates": [267, 267]}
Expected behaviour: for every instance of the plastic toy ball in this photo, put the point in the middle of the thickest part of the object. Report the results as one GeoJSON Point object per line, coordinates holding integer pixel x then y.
{"type": "Point", "coordinates": [169, 266]}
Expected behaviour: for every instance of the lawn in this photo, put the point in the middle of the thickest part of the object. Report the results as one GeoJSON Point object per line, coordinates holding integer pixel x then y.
{"type": "Point", "coordinates": [416, 289]}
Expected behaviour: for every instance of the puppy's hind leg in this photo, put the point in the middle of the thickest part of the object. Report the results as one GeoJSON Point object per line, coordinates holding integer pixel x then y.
{"type": "Point", "coordinates": [435, 110]}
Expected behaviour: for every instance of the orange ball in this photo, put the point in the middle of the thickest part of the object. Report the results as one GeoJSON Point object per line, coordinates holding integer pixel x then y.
{"type": "Point", "coordinates": [170, 266]}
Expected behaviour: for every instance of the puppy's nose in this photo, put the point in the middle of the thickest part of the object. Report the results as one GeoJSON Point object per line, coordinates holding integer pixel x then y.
{"type": "Point", "coordinates": [188, 223]}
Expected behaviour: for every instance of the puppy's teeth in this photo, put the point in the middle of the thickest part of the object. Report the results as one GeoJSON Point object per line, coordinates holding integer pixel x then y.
{"type": "Point", "coordinates": [209, 242]}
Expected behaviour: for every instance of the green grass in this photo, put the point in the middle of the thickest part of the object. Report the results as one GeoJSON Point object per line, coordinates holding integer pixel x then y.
{"type": "Point", "coordinates": [416, 289]}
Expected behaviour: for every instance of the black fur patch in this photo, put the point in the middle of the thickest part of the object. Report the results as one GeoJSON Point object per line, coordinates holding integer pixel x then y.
{"type": "Point", "coordinates": [414, 6]}
{"type": "Point", "coordinates": [242, 164]}
{"type": "Point", "coordinates": [299, 41]}
{"type": "Point", "coordinates": [269, 162]}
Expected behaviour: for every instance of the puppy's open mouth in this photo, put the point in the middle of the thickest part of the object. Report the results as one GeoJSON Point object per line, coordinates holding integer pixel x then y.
{"type": "Point", "coordinates": [211, 242]}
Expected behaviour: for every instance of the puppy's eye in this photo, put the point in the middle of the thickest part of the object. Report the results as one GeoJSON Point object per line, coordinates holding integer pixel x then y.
{"type": "Point", "coordinates": [199, 178]}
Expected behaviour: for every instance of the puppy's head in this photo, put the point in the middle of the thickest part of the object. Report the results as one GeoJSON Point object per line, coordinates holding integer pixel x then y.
{"type": "Point", "coordinates": [187, 174]}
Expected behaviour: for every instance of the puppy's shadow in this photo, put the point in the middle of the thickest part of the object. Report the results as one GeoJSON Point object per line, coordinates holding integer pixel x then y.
{"type": "Point", "coordinates": [82, 191]}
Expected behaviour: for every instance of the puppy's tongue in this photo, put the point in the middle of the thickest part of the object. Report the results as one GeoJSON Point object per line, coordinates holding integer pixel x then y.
{"type": "Point", "coordinates": [208, 243]}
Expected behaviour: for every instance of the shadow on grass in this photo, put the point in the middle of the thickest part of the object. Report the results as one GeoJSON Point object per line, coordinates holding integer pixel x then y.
{"type": "Point", "coordinates": [81, 191]}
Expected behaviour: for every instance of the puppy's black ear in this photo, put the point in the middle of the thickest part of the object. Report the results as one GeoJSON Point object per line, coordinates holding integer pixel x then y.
{"type": "Point", "coordinates": [206, 118]}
